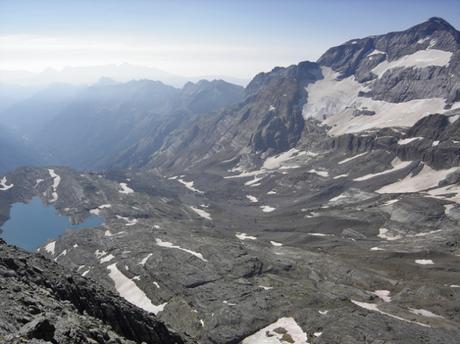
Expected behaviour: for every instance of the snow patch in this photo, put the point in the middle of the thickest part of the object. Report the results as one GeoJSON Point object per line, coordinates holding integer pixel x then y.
{"type": "Point", "coordinates": [144, 260]}
{"type": "Point", "coordinates": [267, 208]}
{"type": "Point", "coordinates": [56, 182]}
{"type": "Point", "coordinates": [397, 165]}
{"type": "Point", "coordinates": [341, 176]}
{"type": "Point", "coordinates": [375, 52]}
{"type": "Point", "coordinates": [107, 258]}
{"type": "Point", "coordinates": [168, 244]}
{"type": "Point", "coordinates": [402, 142]}
{"type": "Point", "coordinates": [62, 254]}
{"type": "Point", "coordinates": [189, 185]}
{"type": "Point", "coordinates": [4, 186]}
{"type": "Point", "coordinates": [50, 247]}
{"type": "Point", "coordinates": [276, 161]}
{"type": "Point", "coordinates": [319, 173]}
{"type": "Point", "coordinates": [424, 312]}
{"type": "Point", "coordinates": [244, 236]}
{"type": "Point", "coordinates": [252, 198]}
{"type": "Point", "coordinates": [384, 234]}
{"type": "Point", "coordinates": [253, 181]}
{"type": "Point", "coordinates": [352, 158]}
{"type": "Point", "coordinates": [374, 308]}
{"type": "Point", "coordinates": [383, 294]}
{"type": "Point", "coordinates": [427, 178]}
{"type": "Point", "coordinates": [419, 59]}
{"type": "Point", "coordinates": [204, 214]}
{"type": "Point", "coordinates": [276, 244]}
{"type": "Point", "coordinates": [265, 287]}
{"type": "Point", "coordinates": [424, 261]}
{"type": "Point", "coordinates": [271, 334]}
{"type": "Point", "coordinates": [131, 292]}
{"type": "Point", "coordinates": [129, 222]}
{"type": "Point", "coordinates": [125, 189]}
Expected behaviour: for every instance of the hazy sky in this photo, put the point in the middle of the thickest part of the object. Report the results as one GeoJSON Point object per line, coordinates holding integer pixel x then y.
{"type": "Point", "coordinates": [191, 37]}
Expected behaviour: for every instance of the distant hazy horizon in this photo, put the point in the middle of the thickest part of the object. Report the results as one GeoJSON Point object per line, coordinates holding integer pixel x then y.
{"type": "Point", "coordinates": [188, 39]}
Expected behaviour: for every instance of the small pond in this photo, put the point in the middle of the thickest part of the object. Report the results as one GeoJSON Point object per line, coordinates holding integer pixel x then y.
{"type": "Point", "coordinates": [32, 224]}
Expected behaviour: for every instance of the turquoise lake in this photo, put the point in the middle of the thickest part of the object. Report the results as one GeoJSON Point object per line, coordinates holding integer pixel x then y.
{"type": "Point", "coordinates": [32, 224]}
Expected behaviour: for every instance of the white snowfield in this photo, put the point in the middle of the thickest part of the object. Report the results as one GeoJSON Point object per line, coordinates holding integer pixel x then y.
{"type": "Point", "coordinates": [131, 292]}
{"type": "Point", "coordinates": [268, 335]}
{"type": "Point", "coordinates": [189, 185]}
{"type": "Point", "coordinates": [125, 189]}
{"type": "Point", "coordinates": [168, 244]}
{"type": "Point", "coordinates": [244, 236]}
{"type": "Point", "coordinates": [419, 59]}
{"type": "Point", "coordinates": [204, 214]}
{"type": "Point", "coordinates": [276, 244]}
{"type": "Point", "coordinates": [334, 102]}
{"type": "Point", "coordinates": [4, 186]}
{"type": "Point", "coordinates": [397, 165]}
{"type": "Point", "coordinates": [374, 308]}
{"type": "Point", "coordinates": [50, 247]}
{"type": "Point", "coordinates": [427, 178]}
{"type": "Point", "coordinates": [56, 182]}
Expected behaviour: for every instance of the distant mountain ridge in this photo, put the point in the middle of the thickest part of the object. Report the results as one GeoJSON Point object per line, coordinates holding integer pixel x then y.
{"type": "Point", "coordinates": [84, 75]}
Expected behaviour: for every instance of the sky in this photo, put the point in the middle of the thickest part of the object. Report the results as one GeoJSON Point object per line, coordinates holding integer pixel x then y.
{"type": "Point", "coordinates": [196, 37]}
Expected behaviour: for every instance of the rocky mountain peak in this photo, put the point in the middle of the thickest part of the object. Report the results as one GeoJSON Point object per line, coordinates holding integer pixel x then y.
{"type": "Point", "coordinates": [434, 24]}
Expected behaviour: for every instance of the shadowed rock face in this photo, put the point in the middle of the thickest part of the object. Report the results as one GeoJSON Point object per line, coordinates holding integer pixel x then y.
{"type": "Point", "coordinates": [42, 300]}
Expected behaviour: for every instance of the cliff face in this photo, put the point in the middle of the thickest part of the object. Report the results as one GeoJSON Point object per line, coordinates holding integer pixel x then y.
{"type": "Point", "coordinates": [43, 302]}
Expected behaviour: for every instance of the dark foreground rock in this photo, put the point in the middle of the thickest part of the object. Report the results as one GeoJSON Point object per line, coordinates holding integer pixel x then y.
{"type": "Point", "coordinates": [42, 302]}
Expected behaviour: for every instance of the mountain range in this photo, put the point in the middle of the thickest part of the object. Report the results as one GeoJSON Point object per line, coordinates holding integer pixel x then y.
{"type": "Point", "coordinates": [319, 204]}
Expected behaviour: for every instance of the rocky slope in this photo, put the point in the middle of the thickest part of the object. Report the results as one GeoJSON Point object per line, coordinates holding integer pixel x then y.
{"type": "Point", "coordinates": [42, 302]}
